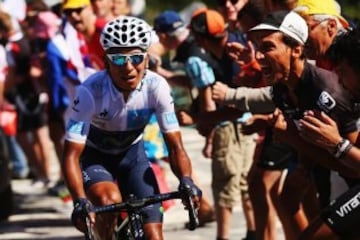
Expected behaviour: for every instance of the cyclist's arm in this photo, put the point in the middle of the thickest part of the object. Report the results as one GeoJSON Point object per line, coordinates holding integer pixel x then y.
{"type": "Point", "coordinates": [77, 129]}
{"type": "Point", "coordinates": [71, 168]}
{"type": "Point", "coordinates": [169, 126]}
{"type": "Point", "coordinates": [179, 160]}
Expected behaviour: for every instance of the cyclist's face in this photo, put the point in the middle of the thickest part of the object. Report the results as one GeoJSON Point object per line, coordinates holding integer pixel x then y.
{"type": "Point", "coordinates": [126, 67]}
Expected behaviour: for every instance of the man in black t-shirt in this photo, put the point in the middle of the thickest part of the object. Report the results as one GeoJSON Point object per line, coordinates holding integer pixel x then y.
{"type": "Point", "coordinates": [338, 219]}
{"type": "Point", "coordinates": [297, 87]}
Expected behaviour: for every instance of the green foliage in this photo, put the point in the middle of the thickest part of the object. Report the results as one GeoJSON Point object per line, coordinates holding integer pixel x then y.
{"type": "Point", "coordinates": [350, 8]}
{"type": "Point", "coordinates": [154, 7]}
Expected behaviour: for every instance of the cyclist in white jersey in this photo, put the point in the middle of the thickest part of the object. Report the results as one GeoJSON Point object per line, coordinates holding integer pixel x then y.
{"type": "Point", "coordinates": [104, 151]}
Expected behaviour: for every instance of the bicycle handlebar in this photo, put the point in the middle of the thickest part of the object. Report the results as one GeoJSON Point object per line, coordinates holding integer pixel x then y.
{"type": "Point", "coordinates": [138, 203]}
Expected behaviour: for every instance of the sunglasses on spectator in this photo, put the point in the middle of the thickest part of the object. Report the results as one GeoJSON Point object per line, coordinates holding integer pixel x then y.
{"type": "Point", "coordinates": [70, 11]}
{"type": "Point", "coordinates": [223, 2]}
{"type": "Point", "coordinates": [121, 59]}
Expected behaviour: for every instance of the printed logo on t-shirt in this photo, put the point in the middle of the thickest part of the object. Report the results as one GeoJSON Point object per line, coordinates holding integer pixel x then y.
{"type": "Point", "coordinates": [326, 102]}
{"type": "Point", "coordinates": [75, 103]}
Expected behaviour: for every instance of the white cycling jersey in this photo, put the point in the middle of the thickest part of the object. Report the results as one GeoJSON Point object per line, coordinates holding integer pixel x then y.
{"type": "Point", "coordinates": [100, 117]}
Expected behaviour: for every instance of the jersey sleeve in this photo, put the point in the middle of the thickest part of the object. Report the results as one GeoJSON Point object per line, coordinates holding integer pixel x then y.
{"type": "Point", "coordinates": [164, 109]}
{"type": "Point", "coordinates": [200, 72]}
{"type": "Point", "coordinates": [82, 109]}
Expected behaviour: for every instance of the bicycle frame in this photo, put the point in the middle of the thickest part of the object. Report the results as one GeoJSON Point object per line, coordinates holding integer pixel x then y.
{"type": "Point", "coordinates": [133, 206]}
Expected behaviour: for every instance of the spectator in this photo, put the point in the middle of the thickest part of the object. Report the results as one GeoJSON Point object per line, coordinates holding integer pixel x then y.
{"type": "Point", "coordinates": [30, 100]}
{"type": "Point", "coordinates": [175, 36]}
{"type": "Point", "coordinates": [120, 7]}
{"type": "Point", "coordinates": [230, 9]}
{"type": "Point", "coordinates": [324, 132]}
{"type": "Point", "coordinates": [326, 25]}
{"type": "Point", "coordinates": [65, 70]}
{"type": "Point", "coordinates": [103, 9]}
{"type": "Point", "coordinates": [297, 72]}
{"type": "Point", "coordinates": [8, 122]}
{"type": "Point", "coordinates": [81, 16]}
{"type": "Point", "coordinates": [231, 153]}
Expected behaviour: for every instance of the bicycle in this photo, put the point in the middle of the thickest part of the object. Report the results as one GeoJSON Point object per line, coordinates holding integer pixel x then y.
{"type": "Point", "coordinates": [131, 228]}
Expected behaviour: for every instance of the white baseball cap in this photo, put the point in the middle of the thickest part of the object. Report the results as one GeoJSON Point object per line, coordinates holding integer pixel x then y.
{"type": "Point", "coordinates": [288, 22]}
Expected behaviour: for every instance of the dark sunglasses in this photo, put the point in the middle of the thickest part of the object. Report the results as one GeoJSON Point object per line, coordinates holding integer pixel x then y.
{"type": "Point", "coordinates": [223, 2]}
{"type": "Point", "coordinates": [70, 11]}
{"type": "Point", "coordinates": [121, 59]}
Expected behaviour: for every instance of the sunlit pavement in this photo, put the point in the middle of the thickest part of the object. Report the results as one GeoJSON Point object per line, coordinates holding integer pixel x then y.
{"type": "Point", "coordinates": [39, 216]}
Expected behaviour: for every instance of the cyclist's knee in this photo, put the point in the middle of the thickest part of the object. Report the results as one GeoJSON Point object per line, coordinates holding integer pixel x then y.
{"type": "Point", "coordinates": [104, 194]}
{"type": "Point", "coordinates": [153, 231]}
{"type": "Point", "coordinates": [109, 198]}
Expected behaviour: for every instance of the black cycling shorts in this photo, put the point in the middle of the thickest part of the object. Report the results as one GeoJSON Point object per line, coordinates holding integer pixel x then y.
{"type": "Point", "coordinates": [343, 214]}
{"type": "Point", "coordinates": [275, 156]}
{"type": "Point", "coordinates": [131, 170]}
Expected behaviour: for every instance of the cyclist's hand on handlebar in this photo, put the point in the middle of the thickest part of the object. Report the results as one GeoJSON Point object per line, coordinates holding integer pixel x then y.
{"type": "Point", "coordinates": [188, 188]}
{"type": "Point", "coordinates": [83, 209]}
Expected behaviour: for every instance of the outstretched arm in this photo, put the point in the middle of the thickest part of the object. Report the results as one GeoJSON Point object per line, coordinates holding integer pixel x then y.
{"type": "Point", "coordinates": [255, 100]}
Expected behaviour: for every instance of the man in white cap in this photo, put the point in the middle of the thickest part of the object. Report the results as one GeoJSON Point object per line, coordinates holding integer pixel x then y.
{"type": "Point", "coordinates": [297, 86]}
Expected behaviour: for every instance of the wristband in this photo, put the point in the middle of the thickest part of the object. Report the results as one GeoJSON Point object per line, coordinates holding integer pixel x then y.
{"type": "Point", "coordinates": [251, 68]}
{"type": "Point", "coordinates": [346, 150]}
{"type": "Point", "coordinates": [342, 148]}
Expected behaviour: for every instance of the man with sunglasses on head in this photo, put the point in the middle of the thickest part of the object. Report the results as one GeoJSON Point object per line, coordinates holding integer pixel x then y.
{"type": "Point", "coordinates": [104, 150]}
{"type": "Point", "coordinates": [325, 25]}
{"type": "Point", "coordinates": [340, 218]}
{"type": "Point", "coordinates": [80, 14]}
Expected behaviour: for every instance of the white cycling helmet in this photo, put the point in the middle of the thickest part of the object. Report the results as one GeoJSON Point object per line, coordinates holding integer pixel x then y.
{"type": "Point", "coordinates": [126, 31]}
